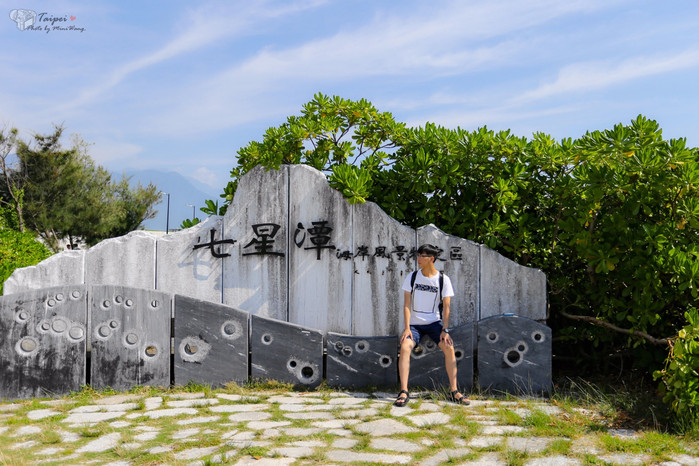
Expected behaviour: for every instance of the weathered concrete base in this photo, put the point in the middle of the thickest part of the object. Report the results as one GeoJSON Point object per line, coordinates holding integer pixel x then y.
{"type": "Point", "coordinates": [130, 337]}
{"type": "Point", "coordinates": [514, 355]}
{"type": "Point", "coordinates": [354, 362]}
{"type": "Point", "coordinates": [211, 343]}
{"type": "Point", "coordinates": [43, 339]}
{"type": "Point", "coordinates": [286, 352]}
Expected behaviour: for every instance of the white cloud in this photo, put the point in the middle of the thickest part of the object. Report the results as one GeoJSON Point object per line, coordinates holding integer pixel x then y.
{"type": "Point", "coordinates": [588, 76]}
{"type": "Point", "coordinates": [209, 24]}
{"type": "Point", "coordinates": [422, 43]}
{"type": "Point", "coordinates": [207, 177]}
{"type": "Point", "coordinates": [106, 151]}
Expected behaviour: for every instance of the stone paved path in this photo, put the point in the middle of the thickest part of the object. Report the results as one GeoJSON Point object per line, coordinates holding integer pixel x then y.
{"type": "Point", "coordinates": [282, 428]}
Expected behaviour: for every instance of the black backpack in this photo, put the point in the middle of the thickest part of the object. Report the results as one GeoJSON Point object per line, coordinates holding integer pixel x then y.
{"type": "Point", "coordinates": [413, 276]}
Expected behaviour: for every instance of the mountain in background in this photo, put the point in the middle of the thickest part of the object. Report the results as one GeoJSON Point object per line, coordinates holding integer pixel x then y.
{"type": "Point", "coordinates": [182, 190]}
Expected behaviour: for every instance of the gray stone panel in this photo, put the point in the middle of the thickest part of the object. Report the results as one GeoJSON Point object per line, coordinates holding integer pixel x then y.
{"type": "Point", "coordinates": [130, 333]}
{"type": "Point", "coordinates": [124, 261]}
{"type": "Point", "coordinates": [507, 287]}
{"type": "Point", "coordinates": [43, 342]}
{"type": "Point", "coordinates": [460, 260]}
{"type": "Point", "coordinates": [211, 343]}
{"type": "Point", "coordinates": [188, 271]}
{"type": "Point", "coordinates": [64, 268]}
{"type": "Point", "coordinates": [320, 225]}
{"type": "Point", "coordinates": [382, 260]}
{"type": "Point", "coordinates": [355, 362]}
{"type": "Point", "coordinates": [514, 355]}
{"type": "Point", "coordinates": [427, 361]}
{"type": "Point", "coordinates": [285, 352]}
{"type": "Point", "coordinates": [255, 275]}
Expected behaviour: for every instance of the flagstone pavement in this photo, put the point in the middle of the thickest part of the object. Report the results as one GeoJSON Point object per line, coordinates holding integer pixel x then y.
{"type": "Point", "coordinates": [286, 427]}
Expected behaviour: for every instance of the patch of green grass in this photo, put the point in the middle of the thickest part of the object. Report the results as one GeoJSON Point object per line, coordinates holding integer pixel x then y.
{"type": "Point", "coordinates": [509, 417]}
{"type": "Point", "coordinates": [515, 457]}
{"type": "Point", "coordinates": [94, 431]}
{"type": "Point", "coordinates": [593, 460]}
{"type": "Point", "coordinates": [254, 451]}
{"type": "Point", "coordinates": [545, 425]}
{"type": "Point", "coordinates": [265, 384]}
{"type": "Point", "coordinates": [49, 436]}
{"type": "Point", "coordinates": [193, 387]}
{"type": "Point", "coordinates": [558, 447]}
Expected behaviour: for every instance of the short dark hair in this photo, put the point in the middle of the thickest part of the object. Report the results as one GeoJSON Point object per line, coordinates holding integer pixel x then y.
{"type": "Point", "coordinates": [429, 250]}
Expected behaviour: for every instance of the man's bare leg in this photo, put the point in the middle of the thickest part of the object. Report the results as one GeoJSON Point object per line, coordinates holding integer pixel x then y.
{"type": "Point", "coordinates": [404, 367]}
{"type": "Point", "coordinates": [450, 365]}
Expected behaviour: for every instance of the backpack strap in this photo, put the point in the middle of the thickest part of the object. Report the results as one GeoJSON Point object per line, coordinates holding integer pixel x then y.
{"type": "Point", "coordinates": [441, 298]}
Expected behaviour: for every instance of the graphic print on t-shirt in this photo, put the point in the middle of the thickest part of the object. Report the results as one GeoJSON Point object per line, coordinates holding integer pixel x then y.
{"type": "Point", "coordinates": [428, 288]}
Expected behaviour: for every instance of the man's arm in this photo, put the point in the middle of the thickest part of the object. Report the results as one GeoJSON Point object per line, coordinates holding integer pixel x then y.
{"type": "Point", "coordinates": [446, 310]}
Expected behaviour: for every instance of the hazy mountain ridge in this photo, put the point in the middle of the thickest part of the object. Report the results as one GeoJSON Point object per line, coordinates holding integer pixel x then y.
{"type": "Point", "coordinates": [182, 190]}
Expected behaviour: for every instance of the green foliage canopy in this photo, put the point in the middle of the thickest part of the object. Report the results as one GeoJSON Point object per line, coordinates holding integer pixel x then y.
{"type": "Point", "coordinates": [17, 250]}
{"type": "Point", "coordinates": [611, 217]}
{"type": "Point", "coordinates": [64, 194]}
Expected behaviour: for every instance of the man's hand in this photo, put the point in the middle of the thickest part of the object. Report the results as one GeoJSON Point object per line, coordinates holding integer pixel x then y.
{"type": "Point", "coordinates": [406, 334]}
{"type": "Point", "coordinates": [446, 339]}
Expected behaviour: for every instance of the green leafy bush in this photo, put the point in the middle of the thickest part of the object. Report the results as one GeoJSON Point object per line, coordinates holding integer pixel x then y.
{"type": "Point", "coordinates": [18, 250]}
{"type": "Point", "coordinates": [611, 218]}
{"type": "Point", "coordinates": [680, 377]}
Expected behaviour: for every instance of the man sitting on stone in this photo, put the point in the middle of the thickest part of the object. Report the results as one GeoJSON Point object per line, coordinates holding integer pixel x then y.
{"type": "Point", "coordinates": [425, 292]}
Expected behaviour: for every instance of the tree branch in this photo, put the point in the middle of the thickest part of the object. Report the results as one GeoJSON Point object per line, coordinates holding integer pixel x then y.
{"type": "Point", "coordinates": [602, 323]}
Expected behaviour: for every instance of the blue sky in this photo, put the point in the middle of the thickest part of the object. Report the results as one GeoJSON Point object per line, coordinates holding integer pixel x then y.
{"type": "Point", "coordinates": [182, 85]}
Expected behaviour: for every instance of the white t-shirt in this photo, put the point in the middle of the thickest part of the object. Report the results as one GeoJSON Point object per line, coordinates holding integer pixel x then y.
{"type": "Point", "coordinates": [425, 301]}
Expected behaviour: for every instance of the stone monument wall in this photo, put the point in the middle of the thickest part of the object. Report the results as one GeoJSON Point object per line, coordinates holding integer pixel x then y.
{"type": "Point", "coordinates": [293, 249]}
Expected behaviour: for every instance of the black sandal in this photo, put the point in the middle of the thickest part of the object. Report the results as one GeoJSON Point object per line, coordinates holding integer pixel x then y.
{"type": "Point", "coordinates": [462, 400]}
{"type": "Point", "coordinates": [400, 402]}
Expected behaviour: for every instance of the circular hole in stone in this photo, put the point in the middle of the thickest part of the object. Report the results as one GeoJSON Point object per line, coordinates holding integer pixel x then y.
{"type": "Point", "coordinates": [104, 331]}
{"type": "Point", "coordinates": [339, 345]}
{"type": "Point", "coordinates": [347, 351]}
{"type": "Point", "coordinates": [51, 303]}
{"type": "Point", "coordinates": [513, 357]}
{"type": "Point", "coordinates": [21, 315]}
{"type": "Point", "coordinates": [131, 338]}
{"type": "Point", "coordinates": [307, 372]}
{"type": "Point", "coordinates": [385, 361]}
{"type": "Point", "coordinates": [151, 351]}
{"type": "Point", "coordinates": [429, 344]}
{"type": "Point", "coordinates": [362, 346]}
{"type": "Point", "coordinates": [28, 345]}
{"type": "Point", "coordinates": [59, 326]}
{"type": "Point", "coordinates": [521, 347]}
{"type": "Point", "coordinates": [60, 297]}
{"type": "Point", "coordinates": [292, 363]}
{"type": "Point", "coordinates": [118, 299]}
{"type": "Point", "coordinates": [154, 304]}
{"type": "Point", "coordinates": [538, 336]}
{"type": "Point", "coordinates": [75, 294]}
{"type": "Point", "coordinates": [190, 349]}
{"type": "Point", "coordinates": [106, 303]}
{"type": "Point", "coordinates": [45, 326]}
{"type": "Point", "coordinates": [459, 354]}
{"type": "Point", "coordinates": [231, 330]}
{"type": "Point", "coordinates": [113, 324]}
{"type": "Point", "coordinates": [267, 339]}
{"type": "Point", "coordinates": [492, 337]}
{"type": "Point", "coordinates": [128, 303]}
{"type": "Point", "coordinates": [417, 350]}
{"type": "Point", "coordinates": [76, 333]}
